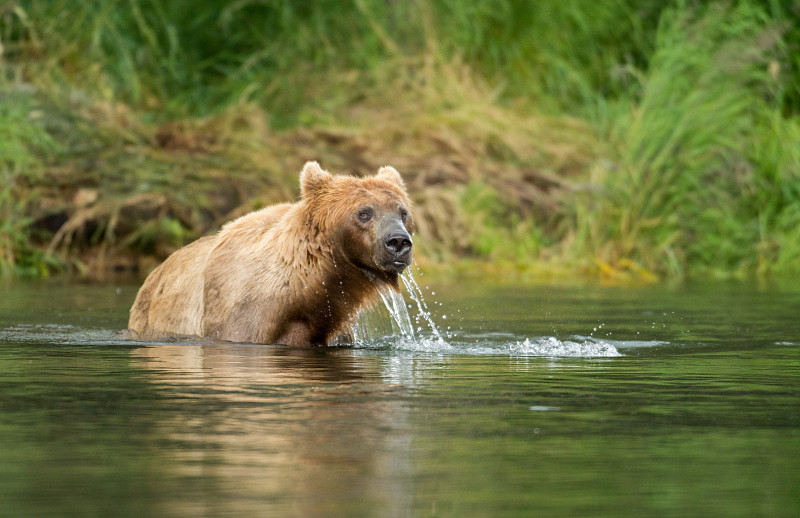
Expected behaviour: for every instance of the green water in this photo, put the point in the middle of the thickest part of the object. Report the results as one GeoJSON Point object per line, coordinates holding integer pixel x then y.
{"type": "Point", "coordinates": [541, 401]}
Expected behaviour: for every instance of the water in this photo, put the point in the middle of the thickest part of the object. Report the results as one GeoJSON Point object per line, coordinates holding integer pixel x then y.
{"type": "Point", "coordinates": [524, 401]}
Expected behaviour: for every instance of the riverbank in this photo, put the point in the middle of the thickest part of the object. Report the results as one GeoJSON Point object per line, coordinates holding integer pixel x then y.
{"type": "Point", "coordinates": [651, 142]}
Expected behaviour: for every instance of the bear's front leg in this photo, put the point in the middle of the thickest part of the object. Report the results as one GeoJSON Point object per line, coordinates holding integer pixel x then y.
{"type": "Point", "coordinates": [297, 334]}
{"type": "Point", "coordinates": [343, 339]}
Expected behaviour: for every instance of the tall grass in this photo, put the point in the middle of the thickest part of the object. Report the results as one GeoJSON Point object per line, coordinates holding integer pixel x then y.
{"type": "Point", "coordinates": [23, 145]}
{"type": "Point", "coordinates": [181, 58]}
{"type": "Point", "coordinates": [684, 186]}
{"type": "Point", "coordinates": [186, 59]}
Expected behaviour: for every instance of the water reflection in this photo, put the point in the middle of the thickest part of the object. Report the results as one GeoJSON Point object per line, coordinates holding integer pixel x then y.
{"type": "Point", "coordinates": [311, 432]}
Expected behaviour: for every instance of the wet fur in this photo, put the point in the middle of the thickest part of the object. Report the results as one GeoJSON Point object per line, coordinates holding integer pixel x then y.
{"type": "Point", "coordinates": [294, 273]}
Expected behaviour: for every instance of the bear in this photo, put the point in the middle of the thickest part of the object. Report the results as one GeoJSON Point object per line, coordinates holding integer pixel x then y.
{"type": "Point", "coordinates": [293, 274]}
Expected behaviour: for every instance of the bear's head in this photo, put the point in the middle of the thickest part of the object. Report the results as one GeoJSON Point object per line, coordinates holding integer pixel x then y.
{"type": "Point", "coordinates": [366, 221]}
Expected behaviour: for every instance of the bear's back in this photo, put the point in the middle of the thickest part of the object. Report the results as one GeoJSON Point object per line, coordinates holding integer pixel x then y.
{"type": "Point", "coordinates": [258, 221]}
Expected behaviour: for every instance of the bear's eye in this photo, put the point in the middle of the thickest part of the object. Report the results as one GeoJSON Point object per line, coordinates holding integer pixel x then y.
{"type": "Point", "coordinates": [364, 215]}
{"type": "Point", "coordinates": [403, 215]}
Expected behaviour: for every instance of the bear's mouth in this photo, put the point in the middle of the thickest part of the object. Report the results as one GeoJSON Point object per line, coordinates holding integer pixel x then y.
{"type": "Point", "coordinates": [395, 266]}
{"type": "Point", "coordinates": [399, 266]}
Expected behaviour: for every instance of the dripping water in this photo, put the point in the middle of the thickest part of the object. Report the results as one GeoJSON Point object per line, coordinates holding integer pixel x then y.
{"type": "Point", "coordinates": [415, 293]}
{"type": "Point", "coordinates": [392, 317]}
{"type": "Point", "coordinates": [396, 305]}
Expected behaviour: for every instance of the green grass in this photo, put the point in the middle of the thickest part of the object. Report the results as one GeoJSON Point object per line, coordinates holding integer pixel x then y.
{"type": "Point", "coordinates": [623, 138]}
{"type": "Point", "coordinates": [24, 148]}
{"type": "Point", "coordinates": [685, 187]}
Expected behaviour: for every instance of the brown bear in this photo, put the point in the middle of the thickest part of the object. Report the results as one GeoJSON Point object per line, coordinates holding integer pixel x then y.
{"type": "Point", "coordinates": [293, 273]}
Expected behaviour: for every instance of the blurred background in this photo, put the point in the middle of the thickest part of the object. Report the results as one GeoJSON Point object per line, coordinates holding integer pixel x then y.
{"type": "Point", "coordinates": [630, 140]}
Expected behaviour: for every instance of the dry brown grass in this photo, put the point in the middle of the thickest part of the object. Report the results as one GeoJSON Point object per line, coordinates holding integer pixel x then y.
{"type": "Point", "coordinates": [127, 193]}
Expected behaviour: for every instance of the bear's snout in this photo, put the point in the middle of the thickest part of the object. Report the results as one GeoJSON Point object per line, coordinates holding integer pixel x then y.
{"type": "Point", "coordinates": [394, 248]}
{"type": "Point", "coordinates": [398, 244]}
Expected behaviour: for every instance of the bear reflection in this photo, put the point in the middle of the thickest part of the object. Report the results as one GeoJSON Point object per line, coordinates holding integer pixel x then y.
{"type": "Point", "coordinates": [300, 431]}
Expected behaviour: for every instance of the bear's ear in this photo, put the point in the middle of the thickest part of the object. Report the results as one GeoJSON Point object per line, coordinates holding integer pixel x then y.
{"type": "Point", "coordinates": [390, 173]}
{"type": "Point", "coordinates": [313, 178]}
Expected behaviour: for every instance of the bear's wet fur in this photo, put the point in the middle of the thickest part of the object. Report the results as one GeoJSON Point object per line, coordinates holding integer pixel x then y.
{"type": "Point", "coordinates": [294, 273]}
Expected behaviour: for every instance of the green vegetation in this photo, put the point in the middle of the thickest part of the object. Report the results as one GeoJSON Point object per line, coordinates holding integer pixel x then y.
{"type": "Point", "coordinates": [624, 138]}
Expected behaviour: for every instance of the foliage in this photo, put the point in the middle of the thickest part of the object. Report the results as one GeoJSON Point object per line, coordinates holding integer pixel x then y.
{"type": "Point", "coordinates": [678, 190]}
{"type": "Point", "coordinates": [23, 142]}
{"type": "Point", "coordinates": [631, 137]}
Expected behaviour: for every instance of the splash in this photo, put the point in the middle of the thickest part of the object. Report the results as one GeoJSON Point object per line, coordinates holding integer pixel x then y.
{"type": "Point", "coordinates": [388, 319]}
{"type": "Point", "coordinates": [390, 326]}
{"type": "Point", "coordinates": [396, 304]}
{"type": "Point", "coordinates": [415, 293]}
{"type": "Point", "coordinates": [545, 347]}
{"type": "Point", "coordinates": [553, 347]}
{"type": "Point", "coordinates": [393, 318]}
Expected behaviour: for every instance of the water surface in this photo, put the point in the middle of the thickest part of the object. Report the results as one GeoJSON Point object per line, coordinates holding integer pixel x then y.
{"type": "Point", "coordinates": [534, 401]}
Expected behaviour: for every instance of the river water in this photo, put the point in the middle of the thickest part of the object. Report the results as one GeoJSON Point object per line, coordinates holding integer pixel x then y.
{"type": "Point", "coordinates": [530, 401]}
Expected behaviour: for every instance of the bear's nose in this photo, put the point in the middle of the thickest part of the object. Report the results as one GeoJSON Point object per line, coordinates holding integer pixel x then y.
{"type": "Point", "coordinates": [398, 244]}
